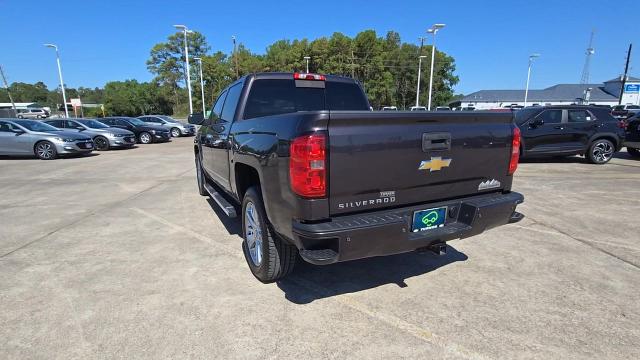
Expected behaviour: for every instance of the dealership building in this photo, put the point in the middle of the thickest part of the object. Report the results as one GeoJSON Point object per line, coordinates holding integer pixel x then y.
{"type": "Point", "coordinates": [561, 94]}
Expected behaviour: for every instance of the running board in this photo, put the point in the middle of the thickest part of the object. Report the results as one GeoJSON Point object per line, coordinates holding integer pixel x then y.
{"type": "Point", "coordinates": [224, 205]}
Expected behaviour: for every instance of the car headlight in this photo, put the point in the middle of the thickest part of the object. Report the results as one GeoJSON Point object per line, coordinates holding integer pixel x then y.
{"type": "Point", "coordinates": [59, 139]}
{"type": "Point", "coordinates": [111, 135]}
{"type": "Point", "coordinates": [153, 132]}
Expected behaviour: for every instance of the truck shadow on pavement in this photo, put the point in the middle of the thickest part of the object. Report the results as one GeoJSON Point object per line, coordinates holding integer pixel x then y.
{"type": "Point", "coordinates": [309, 282]}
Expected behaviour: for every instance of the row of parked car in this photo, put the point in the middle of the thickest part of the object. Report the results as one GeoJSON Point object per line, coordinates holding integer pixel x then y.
{"type": "Point", "coordinates": [48, 139]}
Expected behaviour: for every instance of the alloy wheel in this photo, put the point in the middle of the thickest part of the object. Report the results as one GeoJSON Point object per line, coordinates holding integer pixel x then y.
{"type": "Point", "coordinates": [602, 151]}
{"type": "Point", "coordinates": [101, 143]}
{"type": "Point", "coordinates": [175, 132]}
{"type": "Point", "coordinates": [253, 233]}
{"type": "Point", "coordinates": [44, 151]}
{"type": "Point", "coordinates": [145, 138]}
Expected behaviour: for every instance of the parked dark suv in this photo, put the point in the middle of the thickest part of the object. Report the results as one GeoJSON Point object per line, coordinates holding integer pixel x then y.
{"type": "Point", "coordinates": [145, 133]}
{"type": "Point", "coordinates": [569, 130]}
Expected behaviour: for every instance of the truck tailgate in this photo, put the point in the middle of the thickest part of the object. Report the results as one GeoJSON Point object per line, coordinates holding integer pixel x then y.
{"type": "Point", "coordinates": [382, 159]}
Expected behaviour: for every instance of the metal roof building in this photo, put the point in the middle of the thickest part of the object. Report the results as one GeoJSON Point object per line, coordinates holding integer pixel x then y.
{"type": "Point", "coordinates": [561, 94]}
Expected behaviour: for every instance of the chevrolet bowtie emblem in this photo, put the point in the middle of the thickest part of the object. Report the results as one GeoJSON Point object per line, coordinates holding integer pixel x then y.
{"type": "Point", "coordinates": [435, 164]}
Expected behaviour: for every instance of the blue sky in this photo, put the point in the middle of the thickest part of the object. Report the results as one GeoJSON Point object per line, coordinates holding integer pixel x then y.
{"type": "Point", "coordinates": [109, 40]}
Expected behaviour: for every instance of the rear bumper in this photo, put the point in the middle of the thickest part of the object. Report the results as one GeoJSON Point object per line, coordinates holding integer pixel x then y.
{"type": "Point", "coordinates": [389, 232]}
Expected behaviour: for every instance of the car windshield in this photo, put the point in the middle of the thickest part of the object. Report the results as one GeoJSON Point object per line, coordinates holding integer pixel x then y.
{"type": "Point", "coordinates": [167, 118]}
{"type": "Point", "coordinates": [523, 115]}
{"type": "Point", "coordinates": [36, 125]}
{"type": "Point", "coordinates": [137, 122]}
{"type": "Point", "coordinates": [93, 124]}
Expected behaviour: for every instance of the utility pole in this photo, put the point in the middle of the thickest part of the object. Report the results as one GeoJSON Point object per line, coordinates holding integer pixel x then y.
{"type": "Point", "coordinates": [6, 85]}
{"type": "Point", "coordinates": [353, 66]}
{"type": "Point", "coordinates": [624, 77]}
{"type": "Point", "coordinates": [235, 57]}
{"type": "Point", "coordinates": [422, 39]}
{"type": "Point", "coordinates": [307, 58]}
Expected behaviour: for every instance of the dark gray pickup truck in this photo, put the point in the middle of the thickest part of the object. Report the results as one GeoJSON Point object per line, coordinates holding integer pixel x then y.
{"type": "Point", "coordinates": [316, 173]}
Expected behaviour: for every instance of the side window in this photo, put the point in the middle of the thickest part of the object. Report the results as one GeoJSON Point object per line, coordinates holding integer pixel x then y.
{"type": "Point", "coordinates": [579, 116]}
{"type": "Point", "coordinates": [551, 116]}
{"type": "Point", "coordinates": [5, 127]}
{"type": "Point", "coordinates": [217, 108]}
{"type": "Point", "coordinates": [122, 123]}
{"type": "Point", "coordinates": [229, 109]}
{"type": "Point", "coordinates": [70, 124]}
{"type": "Point", "coordinates": [56, 123]}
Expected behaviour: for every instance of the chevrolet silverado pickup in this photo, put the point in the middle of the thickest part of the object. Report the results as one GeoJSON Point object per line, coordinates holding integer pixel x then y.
{"type": "Point", "coordinates": [315, 173]}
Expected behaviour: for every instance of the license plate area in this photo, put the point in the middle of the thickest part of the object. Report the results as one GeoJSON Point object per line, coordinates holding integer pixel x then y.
{"type": "Point", "coordinates": [429, 219]}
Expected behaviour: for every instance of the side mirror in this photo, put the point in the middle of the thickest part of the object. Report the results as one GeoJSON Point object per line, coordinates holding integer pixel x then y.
{"type": "Point", "coordinates": [196, 119]}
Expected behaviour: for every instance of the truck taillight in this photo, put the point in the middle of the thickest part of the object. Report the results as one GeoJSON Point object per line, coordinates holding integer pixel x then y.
{"type": "Point", "coordinates": [307, 166]}
{"type": "Point", "coordinates": [515, 150]}
{"type": "Point", "coordinates": [303, 76]}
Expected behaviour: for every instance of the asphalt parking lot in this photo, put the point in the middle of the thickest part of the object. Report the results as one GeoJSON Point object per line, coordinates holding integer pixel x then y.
{"type": "Point", "coordinates": [117, 256]}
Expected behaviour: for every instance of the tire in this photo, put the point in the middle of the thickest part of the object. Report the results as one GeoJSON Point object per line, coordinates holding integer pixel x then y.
{"type": "Point", "coordinates": [634, 152]}
{"type": "Point", "coordinates": [600, 151]}
{"type": "Point", "coordinates": [200, 177]}
{"type": "Point", "coordinates": [20, 117]}
{"type": "Point", "coordinates": [102, 143]}
{"type": "Point", "coordinates": [145, 138]}
{"type": "Point", "coordinates": [268, 256]}
{"type": "Point", "coordinates": [175, 132]}
{"type": "Point", "coordinates": [45, 150]}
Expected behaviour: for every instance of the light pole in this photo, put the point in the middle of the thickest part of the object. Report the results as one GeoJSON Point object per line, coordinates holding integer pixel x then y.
{"type": "Point", "coordinates": [199, 60]}
{"type": "Point", "coordinates": [235, 57]}
{"type": "Point", "coordinates": [186, 61]}
{"type": "Point", "coordinates": [418, 86]}
{"type": "Point", "coordinates": [64, 95]}
{"type": "Point", "coordinates": [307, 59]}
{"type": "Point", "coordinates": [434, 29]}
{"type": "Point", "coordinates": [526, 90]}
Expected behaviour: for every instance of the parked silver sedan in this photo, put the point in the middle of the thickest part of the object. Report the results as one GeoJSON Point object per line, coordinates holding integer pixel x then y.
{"type": "Point", "coordinates": [177, 128]}
{"type": "Point", "coordinates": [104, 136]}
{"type": "Point", "coordinates": [31, 137]}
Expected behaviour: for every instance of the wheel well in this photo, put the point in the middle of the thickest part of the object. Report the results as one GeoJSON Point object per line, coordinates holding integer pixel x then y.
{"type": "Point", "coordinates": [607, 137]}
{"type": "Point", "coordinates": [246, 177]}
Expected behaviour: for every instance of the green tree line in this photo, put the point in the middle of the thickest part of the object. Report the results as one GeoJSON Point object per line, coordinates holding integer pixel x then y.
{"type": "Point", "coordinates": [385, 66]}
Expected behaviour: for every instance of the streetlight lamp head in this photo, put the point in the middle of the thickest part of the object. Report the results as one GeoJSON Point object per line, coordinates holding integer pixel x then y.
{"type": "Point", "coordinates": [307, 57]}
{"type": "Point", "coordinates": [430, 31]}
{"type": "Point", "coordinates": [423, 56]}
{"type": "Point", "coordinates": [534, 55]}
{"type": "Point", "coordinates": [182, 27]}
{"type": "Point", "coordinates": [50, 46]}
{"type": "Point", "coordinates": [438, 26]}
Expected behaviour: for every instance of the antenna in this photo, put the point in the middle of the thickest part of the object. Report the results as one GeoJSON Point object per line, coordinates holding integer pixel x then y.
{"type": "Point", "coordinates": [587, 61]}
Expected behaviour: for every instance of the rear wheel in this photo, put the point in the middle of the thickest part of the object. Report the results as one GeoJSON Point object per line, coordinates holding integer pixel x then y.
{"type": "Point", "coordinates": [101, 143]}
{"type": "Point", "coordinates": [268, 256]}
{"type": "Point", "coordinates": [145, 138]}
{"type": "Point", "coordinates": [600, 151]}
{"type": "Point", "coordinates": [175, 132]}
{"type": "Point", "coordinates": [45, 150]}
{"type": "Point", "coordinates": [633, 152]}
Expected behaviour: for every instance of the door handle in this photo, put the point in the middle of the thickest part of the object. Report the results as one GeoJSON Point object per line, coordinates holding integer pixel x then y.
{"type": "Point", "coordinates": [436, 141]}
{"type": "Point", "coordinates": [559, 127]}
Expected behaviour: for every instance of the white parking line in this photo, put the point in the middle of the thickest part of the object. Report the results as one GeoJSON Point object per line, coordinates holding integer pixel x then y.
{"type": "Point", "coordinates": [343, 299]}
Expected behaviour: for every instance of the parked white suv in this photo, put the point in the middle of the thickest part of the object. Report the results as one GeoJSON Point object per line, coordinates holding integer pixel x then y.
{"type": "Point", "coordinates": [32, 113]}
